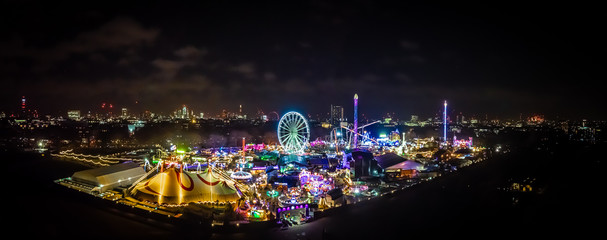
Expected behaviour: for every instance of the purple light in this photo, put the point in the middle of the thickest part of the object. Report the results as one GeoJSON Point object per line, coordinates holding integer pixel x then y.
{"type": "Point", "coordinates": [445, 122]}
{"type": "Point", "coordinates": [251, 146]}
{"type": "Point", "coordinates": [355, 120]}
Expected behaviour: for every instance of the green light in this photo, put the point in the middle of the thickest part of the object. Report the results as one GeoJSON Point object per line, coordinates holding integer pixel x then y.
{"type": "Point", "coordinates": [272, 193]}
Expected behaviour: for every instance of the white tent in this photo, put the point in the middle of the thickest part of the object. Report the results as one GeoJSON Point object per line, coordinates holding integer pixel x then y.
{"type": "Point", "coordinates": [407, 165]}
{"type": "Point", "coordinates": [106, 178]}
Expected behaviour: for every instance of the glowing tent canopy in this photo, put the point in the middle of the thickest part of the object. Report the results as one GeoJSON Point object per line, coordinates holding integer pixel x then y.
{"type": "Point", "coordinates": [240, 175]}
{"type": "Point", "coordinates": [407, 165]}
{"type": "Point", "coordinates": [179, 187]}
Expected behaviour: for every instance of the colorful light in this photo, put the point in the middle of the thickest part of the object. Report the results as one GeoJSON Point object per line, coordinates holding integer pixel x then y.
{"type": "Point", "coordinates": [314, 183]}
{"type": "Point", "coordinates": [462, 143]}
{"type": "Point", "coordinates": [257, 147]}
{"type": "Point", "coordinates": [241, 175]}
{"type": "Point", "coordinates": [445, 123]}
{"type": "Point", "coordinates": [272, 193]}
{"type": "Point", "coordinates": [355, 120]}
{"type": "Point", "coordinates": [293, 132]}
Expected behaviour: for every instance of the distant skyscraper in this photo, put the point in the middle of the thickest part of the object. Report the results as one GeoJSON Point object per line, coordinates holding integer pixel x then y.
{"type": "Point", "coordinates": [184, 113]}
{"type": "Point", "coordinates": [460, 118]}
{"type": "Point", "coordinates": [337, 115]}
{"type": "Point", "coordinates": [124, 112]}
{"type": "Point", "coordinates": [23, 104]}
{"type": "Point", "coordinates": [73, 114]}
{"type": "Point", "coordinates": [414, 118]}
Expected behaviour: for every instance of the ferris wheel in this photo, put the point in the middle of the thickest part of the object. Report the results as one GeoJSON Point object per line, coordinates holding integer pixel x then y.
{"type": "Point", "coordinates": [293, 132]}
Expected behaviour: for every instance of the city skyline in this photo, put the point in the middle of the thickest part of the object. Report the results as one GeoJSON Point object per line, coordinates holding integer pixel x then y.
{"type": "Point", "coordinates": [108, 110]}
{"type": "Point", "coordinates": [502, 61]}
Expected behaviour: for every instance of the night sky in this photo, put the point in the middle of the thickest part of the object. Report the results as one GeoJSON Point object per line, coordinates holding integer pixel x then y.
{"type": "Point", "coordinates": [498, 60]}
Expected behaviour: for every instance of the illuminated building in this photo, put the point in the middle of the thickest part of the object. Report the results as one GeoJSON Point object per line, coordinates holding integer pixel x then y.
{"type": "Point", "coordinates": [363, 164]}
{"type": "Point", "coordinates": [460, 119]}
{"type": "Point", "coordinates": [148, 115]}
{"type": "Point", "coordinates": [182, 113]}
{"type": "Point", "coordinates": [395, 135]}
{"type": "Point", "coordinates": [23, 104]}
{"type": "Point", "coordinates": [462, 143]}
{"type": "Point", "coordinates": [414, 121]}
{"type": "Point", "coordinates": [73, 114]}
{"type": "Point", "coordinates": [124, 113]}
{"type": "Point", "coordinates": [535, 120]}
{"type": "Point", "coordinates": [25, 112]}
{"type": "Point", "coordinates": [107, 178]}
{"type": "Point", "coordinates": [405, 169]}
{"type": "Point", "coordinates": [134, 125]}
{"type": "Point", "coordinates": [337, 115]}
{"type": "Point", "coordinates": [241, 176]}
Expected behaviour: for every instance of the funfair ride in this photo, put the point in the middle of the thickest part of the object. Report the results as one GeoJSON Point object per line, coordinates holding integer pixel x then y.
{"type": "Point", "coordinates": [293, 133]}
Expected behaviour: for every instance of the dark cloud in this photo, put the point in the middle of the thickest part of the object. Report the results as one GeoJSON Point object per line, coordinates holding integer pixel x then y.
{"type": "Point", "coordinates": [189, 52]}
{"type": "Point", "coordinates": [168, 68]}
{"type": "Point", "coordinates": [246, 69]}
{"type": "Point", "coordinates": [399, 57]}
{"type": "Point", "coordinates": [408, 45]}
{"type": "Point", "coordinates": [117, 34]}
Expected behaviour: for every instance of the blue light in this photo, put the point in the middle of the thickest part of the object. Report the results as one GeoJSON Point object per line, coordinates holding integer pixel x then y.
{"type": "Point", "coordinates": [445, 123]}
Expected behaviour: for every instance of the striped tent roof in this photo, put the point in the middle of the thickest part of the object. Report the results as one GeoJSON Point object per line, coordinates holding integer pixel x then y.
{"type": "Point", "coordinates": [179, 187]}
